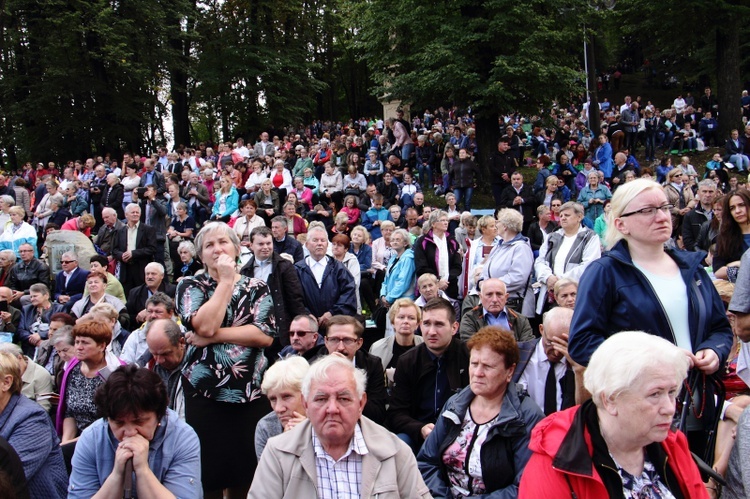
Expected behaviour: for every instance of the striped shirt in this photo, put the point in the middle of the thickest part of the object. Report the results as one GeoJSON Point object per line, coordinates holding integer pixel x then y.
{"type": "Point", "coordinates": [340, 479]}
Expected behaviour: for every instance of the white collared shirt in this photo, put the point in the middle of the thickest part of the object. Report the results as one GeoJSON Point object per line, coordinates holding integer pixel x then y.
{"type": "Point", "coordinates": [262, 269]}
{"type": "Point", "coordinates": [318, 268]}
{"type": "Point", "coordinates": [534, 377]}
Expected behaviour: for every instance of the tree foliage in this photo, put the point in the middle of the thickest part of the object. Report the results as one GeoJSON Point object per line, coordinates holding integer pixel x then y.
{"type": "Point", "coordinates": [693, 39]}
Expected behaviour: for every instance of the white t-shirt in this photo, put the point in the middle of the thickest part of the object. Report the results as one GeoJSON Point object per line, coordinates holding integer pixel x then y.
{"type": "Point", "coordinates": [672, 293]}
{"type": "Point", "coordinates": [562, 254]}
{"type": "Point", "coordinates": [442, 245]}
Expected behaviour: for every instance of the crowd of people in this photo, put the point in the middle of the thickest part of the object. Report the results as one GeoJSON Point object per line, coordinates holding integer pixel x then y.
{"type": "Point", "coordinates": [295, 318]}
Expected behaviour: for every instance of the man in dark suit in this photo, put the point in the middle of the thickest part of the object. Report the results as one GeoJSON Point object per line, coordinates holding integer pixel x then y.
{"type": "Point", "coordinates": [519, 196]}
{"type": "Point", "coordinates": [153, 276]}
{"type": "Point", "coordinates": [152, 177]}
{"type": "Point", "coordinates": [154, 213]}
{"type": "Point", "coordinates": [70, 282]}
{"type": "Point", "coordinates": [134, 247]}
{"type": "Point", "coordinates": [545, 371]}
{"type": "Point", "coordinates": [282, 280]}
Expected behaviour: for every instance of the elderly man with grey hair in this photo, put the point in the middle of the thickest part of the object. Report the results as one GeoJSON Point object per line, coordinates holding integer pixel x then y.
{"type": "Point", "coordinates": [35, 379]}
{"type": "Point", "coordinates": [153, 275]}
{"type": "Point", "coordinates": [336, 438]}
{"type": "Point", "coordinates": [105, 237]}
{"type": "Point", "coordinates": [544, 369]}
{"type": "Point", "coordinates": [703, 212]}
{"type": "Point", "coordinates": [327, 285]}
{"type": "Point", "coordinates": [70, 282]}
{"type": "Point", "coordinates": [134, 246]}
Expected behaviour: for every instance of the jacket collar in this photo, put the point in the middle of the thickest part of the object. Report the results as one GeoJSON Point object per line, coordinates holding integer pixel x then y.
{"type": "Point", "coordinates": [686, 260]}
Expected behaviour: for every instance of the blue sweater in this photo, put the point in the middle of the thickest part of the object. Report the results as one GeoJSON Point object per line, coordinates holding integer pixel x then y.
{"type": "Point", "coordinates": [173, 456]}
{"type": "Point", "coordinates": [400, 279]}
{"type": "Point", "coordinates": [28, 429]}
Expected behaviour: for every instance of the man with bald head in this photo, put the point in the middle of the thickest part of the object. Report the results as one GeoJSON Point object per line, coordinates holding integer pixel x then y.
{"type": "Point", "coordinates": [544, 369]}
{"type": "Point", "coordinates": [493, 312]}
{"type": "Point", "coordinates": [166, 343]}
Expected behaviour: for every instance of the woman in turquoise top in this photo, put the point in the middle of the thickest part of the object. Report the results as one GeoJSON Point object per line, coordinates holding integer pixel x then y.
{"type": "Point", "coordinates": [227, 200]}
{"type": "Point", "coordinates": [593, 196]}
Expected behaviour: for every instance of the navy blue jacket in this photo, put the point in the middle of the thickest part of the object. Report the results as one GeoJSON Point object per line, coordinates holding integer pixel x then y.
{"type": "Point", "coordinates": [615, 296]}
{"type": "Point", "coordinates": [337, 294]}
{"type": "Point", "coordinates": [75, 287]}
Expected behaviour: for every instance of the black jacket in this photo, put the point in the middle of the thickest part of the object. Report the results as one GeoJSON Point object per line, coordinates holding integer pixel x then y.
{"type": "Point", "coordinates": [290, 246]}
{"type": "Point", "coordinates": [502, 163]}
{"type": "Point", "coordinates": [112, 198]}
{"type": "Point", "coordinates": [286, 291]}
{"type": "Point", "coordinates": [138, 296]}
{"type": "Point", "coordinates": [691, 227]}
{"type": "Point", "coordinates": [132, 271]}
{"type": "Point", "coordinates": [412, 369]}
{"type": "Point", "coordinates": [528, 207]}
{"type": "Point", "coordinates": [426, 258]}
{"type": "Point", "coordinates": [567, 383]}
{"type": "Point", "coordinates": [22, 275]}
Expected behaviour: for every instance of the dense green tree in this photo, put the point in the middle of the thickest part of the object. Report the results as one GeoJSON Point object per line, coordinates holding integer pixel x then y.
{"type": "Point", "coordinates": [495, 55]}
{"type": "Point", "coordinates": [691, 40]}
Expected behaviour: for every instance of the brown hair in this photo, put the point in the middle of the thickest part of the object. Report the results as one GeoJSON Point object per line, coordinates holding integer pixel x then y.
{"type": "Point", "coordinates": [98, 331]}
{"type": "Point", "coordinates": [500, 341]}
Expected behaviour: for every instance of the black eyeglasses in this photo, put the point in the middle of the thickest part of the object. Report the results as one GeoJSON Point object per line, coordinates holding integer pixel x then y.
{"type": "Point", "coordinates": [67, 261]}
{"type": "Point", "coordinates": [301, 334]}
{"type": "Point", "coordinates": [649, 210]}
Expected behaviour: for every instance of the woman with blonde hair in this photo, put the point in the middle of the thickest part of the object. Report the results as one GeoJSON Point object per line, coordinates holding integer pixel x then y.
{"type": "Point", "coordinates": [640, 285]}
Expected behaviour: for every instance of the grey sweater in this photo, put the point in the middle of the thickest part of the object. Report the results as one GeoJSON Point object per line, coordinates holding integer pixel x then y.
{"type": "Point", "coordinates": [738, 471]}
{"type": "Point", "coordinates": [269, 426]}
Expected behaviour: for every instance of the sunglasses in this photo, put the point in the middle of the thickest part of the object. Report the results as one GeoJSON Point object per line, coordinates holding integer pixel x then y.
{"type": "Point", "coordinates": [301, 334]}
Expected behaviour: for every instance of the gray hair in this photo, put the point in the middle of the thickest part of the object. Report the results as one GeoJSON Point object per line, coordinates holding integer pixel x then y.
{"type": "Point", "coordinates": [318, 373]}
{"type": "Point", "coordinates": [404, 234]}
{"type": "Point", "coordinates": [572, 205]}
{"type": "Point", "coordinates": [155, 266]}
{"type": "Point", "coordinates": [387, 224]}
{"type": "Point", "coordinates": [187, 245]}
{"type": "Point", "coordinates": [109, 211]}
{"type": "Point", "coordinates": [160, 298]}
{"type": "Point", "coordinates": [131, 207]}
{"type": "Point", "coordinates": [212, 227]}
{"type": "Point", "coordinates": [435, 216]}
{"type": "Point", "coordinates": [63, 334]}
{"type": "Point", "coordinates": [317, 228]}
{"type": "Point", "coordinates": [511, 219]}
{"type": "Point", "coordinates": [287, 373]}
{"type": "Point", "coordinates": [70, 254]}
{"type": "Point", "coordinates": [9, 254]}
{"type": "Point", "coordinates": [182, 204]}
{"type": "Point", "coordinates": [707, 183]}
{"type": "Point", "coordinates": [624, 360]}
{"type": "Point", "coordinates": [8, 200]}
{"type": "Point", "coordinates": [39, 288]}
{"type": "Point", "coordinates": [558, 316]}
{"type": "Point", "coordinates": [12, 349]}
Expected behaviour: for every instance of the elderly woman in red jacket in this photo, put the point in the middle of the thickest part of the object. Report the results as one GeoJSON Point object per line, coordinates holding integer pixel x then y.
{"type": "Point", "coordinates": [619, 443]}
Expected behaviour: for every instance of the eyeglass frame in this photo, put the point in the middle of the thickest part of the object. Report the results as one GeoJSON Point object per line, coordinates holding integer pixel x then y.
{"type": "Point", "coordinates": [645, 211]}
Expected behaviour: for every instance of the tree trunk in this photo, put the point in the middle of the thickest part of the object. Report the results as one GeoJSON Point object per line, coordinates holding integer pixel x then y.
{"type": "Point", "coordinates": [488, 134]}
{"type": "Point", "coordinates": [728, 82]}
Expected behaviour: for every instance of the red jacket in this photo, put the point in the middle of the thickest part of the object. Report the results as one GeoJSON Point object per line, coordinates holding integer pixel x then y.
{"type": "Point", "coordinates": [554, 470]}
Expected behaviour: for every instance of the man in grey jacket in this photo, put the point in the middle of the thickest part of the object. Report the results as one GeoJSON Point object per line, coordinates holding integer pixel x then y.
{"type": "Point", "coordinates": [300, 462]}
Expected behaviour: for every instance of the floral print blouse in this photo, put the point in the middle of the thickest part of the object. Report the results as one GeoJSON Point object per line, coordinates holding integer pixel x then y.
{"type": "Point", "coordinates": [224, 371]}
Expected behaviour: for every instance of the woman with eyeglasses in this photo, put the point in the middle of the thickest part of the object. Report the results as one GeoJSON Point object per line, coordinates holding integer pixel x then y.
{"type": "Point", "coordinates": [638, 285]}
